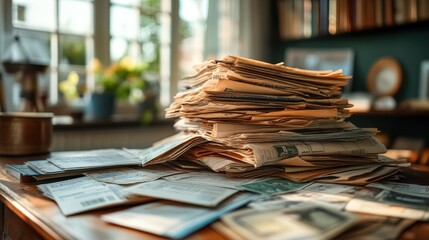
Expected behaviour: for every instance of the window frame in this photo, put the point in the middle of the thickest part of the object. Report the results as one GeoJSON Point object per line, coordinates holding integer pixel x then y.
{"type": "Point", "coordinates": [98, 46]}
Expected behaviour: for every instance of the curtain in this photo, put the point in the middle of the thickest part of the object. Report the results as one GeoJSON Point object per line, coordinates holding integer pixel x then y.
{"type": "Point", "coordinates": [238, 27]}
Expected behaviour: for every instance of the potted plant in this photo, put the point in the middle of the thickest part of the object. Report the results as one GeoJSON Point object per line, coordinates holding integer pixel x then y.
{"type": "Point", "coordinates": [123, 80]}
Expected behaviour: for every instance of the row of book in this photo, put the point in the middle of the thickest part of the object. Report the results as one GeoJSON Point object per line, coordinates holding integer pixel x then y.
{"type": "Point", "coordinates": [310, 18]}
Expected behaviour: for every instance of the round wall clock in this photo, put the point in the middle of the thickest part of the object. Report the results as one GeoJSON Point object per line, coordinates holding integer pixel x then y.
{"type": "Point", "coordinates": [385, 77]}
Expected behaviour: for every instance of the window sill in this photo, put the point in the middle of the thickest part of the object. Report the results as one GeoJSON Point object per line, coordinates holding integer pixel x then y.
{"type": "Point", "coordinates": [65, 122]}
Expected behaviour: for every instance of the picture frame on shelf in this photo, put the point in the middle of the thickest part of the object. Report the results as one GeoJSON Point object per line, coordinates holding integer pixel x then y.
{"type": "Point", "coordinates": [424, 80]}
{"type": "Point", "coordinates": [385, 77]}
{"type": "Point", "coordinates": [322, 59]}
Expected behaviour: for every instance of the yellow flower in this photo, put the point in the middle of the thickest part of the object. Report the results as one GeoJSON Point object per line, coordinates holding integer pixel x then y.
{"type": "Point", "coordinates": [127, 63]}
{"type": "Point", "coordinates": [70, 88]}
{"type": "Point", "coordinates": [96, 66]}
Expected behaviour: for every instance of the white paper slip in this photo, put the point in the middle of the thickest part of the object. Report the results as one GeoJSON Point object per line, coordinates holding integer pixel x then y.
{"type": "Point", "coordinates": [329, 200]}
{"type": "Point", "coordinates": [332, 188]}
{"type": "Point", "coordinates": [377, 228]}
{"type": "Point", "coordinates": [82, 194]}
{"type": "Point", "coordinates": [269, 202]}
{"type": "Point", "coordinates": [405, 188]}
{"type": "Point", "coordinates": [94, 159]}
{"type": "Point", "coordinates": [44, 167]}
{"type": "Point", "coordinates": [393, 198]}
{"type": "Point", "coordinates": [384, 209]}
{"type": "Point", "coordinates": [308, 221]}
{"type": "Point", "coordinates": [202, 195]}
{"type": "Point", "coordinates": [211, 179]}
{"type": "Point", "coordinates": [127, 175]}
{"type": "Point", "coordinates": [173, 220]}
{"type": "Point", "coordinates": [46, 192]}
{"type": "Point", "coordinates": [133, 152]}
{"type": "Point", "coordinates": [292, 199]}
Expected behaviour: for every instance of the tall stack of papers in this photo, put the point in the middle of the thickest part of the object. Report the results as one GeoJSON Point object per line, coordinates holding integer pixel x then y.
{"type": "Point", "coordinates": [282, 132]}
{"type": "Point", "coordinates": [251, 118]}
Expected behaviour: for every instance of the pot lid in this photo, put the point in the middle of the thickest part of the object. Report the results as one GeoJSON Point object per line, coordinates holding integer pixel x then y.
{"type": "Point", "coordinates": [27, 114]}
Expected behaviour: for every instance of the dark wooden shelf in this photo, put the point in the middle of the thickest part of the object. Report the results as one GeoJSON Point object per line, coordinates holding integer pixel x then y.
{"type": "Point", "coordinates": [393, 113]}
{"type": "Point", "coordinates": [423, 24]}
{"type": "Point", "coordinates": [396, 123]}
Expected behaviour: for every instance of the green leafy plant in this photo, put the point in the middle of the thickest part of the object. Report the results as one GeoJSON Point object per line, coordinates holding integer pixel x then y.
{"type": "Point", "coordinates": [124, 79]}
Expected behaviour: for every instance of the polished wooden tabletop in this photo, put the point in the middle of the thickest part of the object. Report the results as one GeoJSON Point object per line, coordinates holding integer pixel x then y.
{"type": "Point", "coordinates": [43, 215]}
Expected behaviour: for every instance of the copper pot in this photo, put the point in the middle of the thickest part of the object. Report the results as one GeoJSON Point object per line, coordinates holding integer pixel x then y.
{"type": "Point", "coordinates": [25, 133]}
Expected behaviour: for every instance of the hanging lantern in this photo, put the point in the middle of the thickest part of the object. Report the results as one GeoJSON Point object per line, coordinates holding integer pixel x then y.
{"type": "Point", "coordinates": [25, 58]}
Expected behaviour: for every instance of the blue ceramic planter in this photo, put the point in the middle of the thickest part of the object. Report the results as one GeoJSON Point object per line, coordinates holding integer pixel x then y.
{"type": "Point", "coordinates": [101, 105]}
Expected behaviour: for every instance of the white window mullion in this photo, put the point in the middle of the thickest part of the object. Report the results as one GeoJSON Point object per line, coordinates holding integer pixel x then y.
{"type": "Point", "coordinates": [53, 93]}
{"type": "Point", "coordinates": [102, 36]}
{"type": "Point", "coordinates": [90, 80]}
{"type": "Point", "coordinates": [169, 53]}
{"type": "Point", "coordinates": [135, 51]}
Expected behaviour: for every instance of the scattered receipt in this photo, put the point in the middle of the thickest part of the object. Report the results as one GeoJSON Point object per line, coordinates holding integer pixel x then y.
{"type": "Point", "coordinates": [208, 196]}
{"type": "Point", "coordinates": [173, 220]}
{"type": "Point", "coordinates": [83, 194]}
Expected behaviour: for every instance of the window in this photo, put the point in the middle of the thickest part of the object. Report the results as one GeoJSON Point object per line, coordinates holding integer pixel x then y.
{"type": "Point", "coordinates": [141, 31]}
{"type": "Point", "coordinates": [138, 29]}
{"type": "Point", "coordinates": [69, 38]}
{"type": "Point", "coordinates": [169, 35]}
{"type": "Point", "coordinates": [193, 26]}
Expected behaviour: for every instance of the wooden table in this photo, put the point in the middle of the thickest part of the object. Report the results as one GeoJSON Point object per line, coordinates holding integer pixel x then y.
{"type": "Point", "coordinates": [26, 214]}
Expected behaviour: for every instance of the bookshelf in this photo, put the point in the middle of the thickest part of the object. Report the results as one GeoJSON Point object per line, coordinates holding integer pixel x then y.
{"type": "Point", "coordinates": [372, 29]}
{"type": "Point", "coordinates": [405, 41]}
{"type": "Point", "coordinates": [394, 124]}
{"type": "Point", "coordinates": [300, 19]}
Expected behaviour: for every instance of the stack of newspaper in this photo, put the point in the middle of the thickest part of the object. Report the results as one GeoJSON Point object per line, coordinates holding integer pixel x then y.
{"type": "Point", "coordinates": [251, 118]}
{"type": "Point", "coordinates": [281, 131]}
